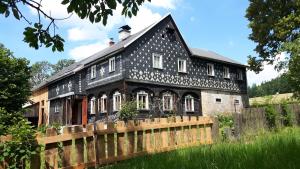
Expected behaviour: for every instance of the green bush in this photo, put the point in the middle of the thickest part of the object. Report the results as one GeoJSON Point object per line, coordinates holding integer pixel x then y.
{"type": "Point", "coordinates": [225, 121]}
{"type": "Point", "coordinates": [271, 116]}
{"type": "Point", "coordinates": [288, 115]}
{"type": "Point", "coordinates": [128, 111]}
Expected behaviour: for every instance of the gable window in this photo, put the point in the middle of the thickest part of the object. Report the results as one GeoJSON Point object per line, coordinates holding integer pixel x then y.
{"type": "Point", "coordinates": [103, 104]}
{"type": "Point", "coordinates": [218, 100]}
{"type": "Point", "coordinates": [142, 100]}
{"type": "Point", "coordinates": [182, 65]}
{"type": "Point", "coordinates": [93, 72]}
{"type": "Point", "coordinates": [189, 103]}
{"type": "Point", "coordinates": [226, 73]}
{"type": "Point", "coordinates": [157, 61]}
{"type": "Point", "coordinates": [167, 102]}
{"type": "Point", "coordinates": [117, 101]}
{"type": "Point", "coordinates": [93, 105]}
{"type": "Point", "coordinates": [210, 69]}
{"type": "Point", "coordinates": [239, 75]}
{"type": "Point", "coordinates": [112, 64]}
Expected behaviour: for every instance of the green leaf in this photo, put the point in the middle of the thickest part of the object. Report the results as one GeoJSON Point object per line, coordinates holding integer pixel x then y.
{"type": "Point", "coordinates": [91, 17]}
{"type": "Point", "coordinates": [64, 2]}
{"type": "Point", "coordinates": [3, 7]}
{"type": "Point", "coordinates": [112, 4]}
{"type": "Point", "coordinates": [16, 13]}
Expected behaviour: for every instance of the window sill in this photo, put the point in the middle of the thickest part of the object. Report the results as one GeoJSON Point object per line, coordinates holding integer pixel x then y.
{"type": "Point", "coordinates": [211, 75]}
{"type": "Point", "coordinates": [158, 68]}
{"type": "Point", "coordinates": [112, 71]}
{"type": "Point", "coordinates": [182, 72]}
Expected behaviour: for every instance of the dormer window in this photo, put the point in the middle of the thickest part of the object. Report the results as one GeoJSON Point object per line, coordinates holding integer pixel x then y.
{"type": "Point", "coordinates": [239, 75]}
{"type": "Point", "coordinates": [112, 64]}
{"type": "Point", "coordinates": [210, 69]}
{"type": "Point", "coordinates": [226, 73]}
{"type": "Point", "coordinates": [93, 72]}
{"type": "Point", "coordinates": [157, 61]}
{"type": "Point", "coordinates": [182, 65]}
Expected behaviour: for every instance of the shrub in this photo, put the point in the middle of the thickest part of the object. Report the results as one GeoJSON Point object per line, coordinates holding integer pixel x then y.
{"type": "Point", "coordinates": [225, 122]}
{"type": "Point", "coordinates": [288, 115]}
{"type": "Point", "coordinates": [128, 111]}
{"type": "Point", "coordinates": [271, 116]}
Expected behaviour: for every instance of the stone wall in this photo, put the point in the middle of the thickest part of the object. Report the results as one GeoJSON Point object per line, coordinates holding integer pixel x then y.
{"type": "Point", "coordinates": [214, 102]}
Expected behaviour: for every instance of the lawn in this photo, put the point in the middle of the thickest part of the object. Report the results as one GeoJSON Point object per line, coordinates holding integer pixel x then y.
{"type": "Point", "coordinates": [280, 150]}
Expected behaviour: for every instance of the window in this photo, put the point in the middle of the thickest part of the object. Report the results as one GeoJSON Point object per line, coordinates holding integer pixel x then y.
{"type": "Point", "coordinates": [142, 100]}
{"type": "Point", "coordinates": [239, 75]}
{"type": "Point", "coordinates": [157, 61]}
{"type": "Point", "coordinates": [236, 102]}
{"type": "Point", "coordinates": [218, 100]}
{"type": "Point", "coordinates": [167, 102]}
{"type": "Point", "coordinates": [210, 69]}
{"type": "Point", "coordinates": [189, 103]}
{"type": "Point", "coordinates": [112, 64]}
{"type": "Point", "coordinates": [93, 72]}
{"type": "Point", "coordinates": [226, 73]}
{"type": "Point", "coordinates": [182, 65]}
{"type": "Point", "coordinates": [117, 101]}
{"type": "Point", "coordinates": [56, 108]}
{"type": "Point", "coordinates": [93, 105]}
{"type": "Point", "coordinates": [103, 104]}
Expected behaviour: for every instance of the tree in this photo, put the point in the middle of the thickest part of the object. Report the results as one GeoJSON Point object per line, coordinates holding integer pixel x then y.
{"type": "Point", "coordinates": [61, 64]}
{"type": "Point", "coordinates": [273, 23]}
{"type": "Point", "coordinates": [38, 34]}
{"type": "Point", "coordinates": [275, 26]}
{"type": "Point", "coordinates": [40, 71]}
{"type": "Point", "coordinates": [14, 80]}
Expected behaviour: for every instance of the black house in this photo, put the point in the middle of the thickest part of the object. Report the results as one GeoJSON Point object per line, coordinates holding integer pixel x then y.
{"type": "Point", "coordinates": [153, 67]}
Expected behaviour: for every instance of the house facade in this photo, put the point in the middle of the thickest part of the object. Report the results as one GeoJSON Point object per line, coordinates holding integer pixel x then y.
{"type": "Point", "coordinates": [156, 69]}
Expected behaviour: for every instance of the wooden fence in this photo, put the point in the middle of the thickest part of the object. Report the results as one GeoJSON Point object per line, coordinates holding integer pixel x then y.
{"type": "Point", "coordinates": [254, 119]}
{"type": "Point", "coordinates": [100, 145]}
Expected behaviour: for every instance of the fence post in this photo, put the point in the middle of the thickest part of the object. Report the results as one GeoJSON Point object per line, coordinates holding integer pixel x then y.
{"type": "Point", "coordinates": [51, 151]}
{"type": "Point", "coordinates": [215, 129]}
{"type": "Point", "coordinates": [79, 145]}
{"type": "Point", "coordinates": [110, 140]}
{"type": "Point", "coordinates": [121, 150]}
{"type": "Point", "coordinates": [67, 147]}
{"type": "Point", "coordinates": [100, 143]}
{"type": "Point", "coordinates": [140, 137]}
{"type": "Point", "coordinates": [130, 137]}
{"type": "Point", "coordinates": [90, 144]}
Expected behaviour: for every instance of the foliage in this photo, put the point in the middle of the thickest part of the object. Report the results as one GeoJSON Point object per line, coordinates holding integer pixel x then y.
{"type": "Point", "coordinates": [39, 32]}
{"type": "Point", "coordinates": [23, 145]}
{"type": "Point", "coordinates": [288, 115]}
{"type": "Point", "coordinates": [14, 84]}
{"type": "Point", "coordinates": [273, 23]}
{"type": "Point", "coordinates": [226, 122]}
{"type": "Point", "coordinates": [128, 111]}
{"type": "Point", "coordinates": [266, 151]}
{"type": "Point", "coordinates": [271, 116]}
{"type": "Point", "coordinates": [61, 64]}
{"type": "Point", "coordinates": [278, 85]}
{"type": "Point", "coordinates": [42, 70]}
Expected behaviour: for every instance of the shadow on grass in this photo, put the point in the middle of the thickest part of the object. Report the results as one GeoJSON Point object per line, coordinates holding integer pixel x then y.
{"type": "Point", "coordinates": [270, 151]}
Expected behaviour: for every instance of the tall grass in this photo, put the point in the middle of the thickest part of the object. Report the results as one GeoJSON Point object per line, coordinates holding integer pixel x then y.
{"type": "Point", "coordinates": [280, 150]}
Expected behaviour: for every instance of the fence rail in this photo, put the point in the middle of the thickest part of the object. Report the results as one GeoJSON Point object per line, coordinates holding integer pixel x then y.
{"type": "Point", "coordinates": [99, 145]}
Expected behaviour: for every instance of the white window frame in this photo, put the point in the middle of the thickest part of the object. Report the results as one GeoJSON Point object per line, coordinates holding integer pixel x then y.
{"type": "Point", "coordinates": [56, 108]}
{"type": "Point", "coordinates": [171, 101]}
{"type": "Point", "coordinates": [117, 96]}
{"type": "Point", "coordinates": [239, 74]}
{"type": "Point", "coordinates": [212, 67]}
{"type": "Point", "coordinates": [160, 66]}
{"type": "Point", "coordinates": [138, 101]}
{"type": "Point", "coordinates": [93, 71]}
{"type": "Point", "coordinates": [226, 72]}
{"type": "Point", "coordinates": [103, 104]}
{"type": "Point", "coordinates": [183, 70]}
{"type": "Point", "coordinates": [112, 64]}
{"type": "Point", "coordinates": [192, 103]}
{"type": "Point", "coordinates": [93, 105]}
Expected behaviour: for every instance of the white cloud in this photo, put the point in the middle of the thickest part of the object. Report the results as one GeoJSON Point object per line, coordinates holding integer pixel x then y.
{"type": "Point", "coordinates": [167, 4]}
{"type": "Point", "coordinates": [144, 18]}
{"type": "Point", "coordinates": [84, 51]}
{"type": "Point", "coordinates": [86, 33]}
{"type": "Point", "coordinates": [267, 74]}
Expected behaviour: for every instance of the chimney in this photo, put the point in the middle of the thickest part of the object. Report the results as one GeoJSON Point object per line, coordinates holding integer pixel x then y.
{"type": "Point", "coordinates": [111, 42]}
{"type": "Point", "coordinates": [124, 32]}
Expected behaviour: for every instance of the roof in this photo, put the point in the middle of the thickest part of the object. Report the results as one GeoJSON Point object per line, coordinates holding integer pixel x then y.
{"type": "Point", "coordinates": [121, 45]}
{"type": "Point", "coordinates": [213, 56]}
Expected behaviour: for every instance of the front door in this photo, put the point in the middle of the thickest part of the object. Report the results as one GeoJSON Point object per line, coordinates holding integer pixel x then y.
{"type": "Point", "coordinates": [77, 112]}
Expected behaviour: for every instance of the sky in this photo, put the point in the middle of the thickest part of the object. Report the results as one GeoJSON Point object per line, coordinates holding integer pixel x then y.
{"type": "Point", "coordinates": [215, 25]}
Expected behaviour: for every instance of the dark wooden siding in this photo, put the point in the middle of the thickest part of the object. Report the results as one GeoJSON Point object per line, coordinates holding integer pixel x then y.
{"type": "Point", "coordinates": [139, 66]}
{"type": "Point", "coordinates": [62, 87]}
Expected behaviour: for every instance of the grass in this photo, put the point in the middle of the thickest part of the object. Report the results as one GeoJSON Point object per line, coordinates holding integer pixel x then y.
{"type": "Point", "coordinates": [280, 150]}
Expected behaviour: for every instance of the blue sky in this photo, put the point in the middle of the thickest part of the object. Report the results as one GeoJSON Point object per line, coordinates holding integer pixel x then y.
{"type": "Point", "coordinates": [215, 25]}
